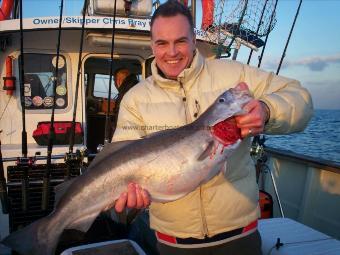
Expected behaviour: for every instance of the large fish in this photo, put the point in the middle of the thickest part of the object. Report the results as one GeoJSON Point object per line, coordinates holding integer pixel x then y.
{"type": "Point", "coordinates": [168, 164]}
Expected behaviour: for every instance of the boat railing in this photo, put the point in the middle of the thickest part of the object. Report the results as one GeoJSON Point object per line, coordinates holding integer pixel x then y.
{"type": "Point", "coordinates": [315, 162]}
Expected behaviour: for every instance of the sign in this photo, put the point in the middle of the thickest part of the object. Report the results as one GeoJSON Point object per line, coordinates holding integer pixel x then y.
{"type": "Point", "coordinates": [91, 22]}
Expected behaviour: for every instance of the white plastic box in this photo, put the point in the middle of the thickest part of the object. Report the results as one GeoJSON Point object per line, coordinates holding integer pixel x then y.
{"type": "Point", "coordinates": [122, 246]}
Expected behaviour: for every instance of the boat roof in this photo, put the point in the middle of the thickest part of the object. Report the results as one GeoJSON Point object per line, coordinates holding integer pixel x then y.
{"type": "Point", "coordinates": [131, 24]}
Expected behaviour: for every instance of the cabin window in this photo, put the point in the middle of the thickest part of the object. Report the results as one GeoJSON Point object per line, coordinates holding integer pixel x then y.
{"type": "Point", "coordinates": [97, 71]}
{"type": "Point", "coordinates": [39, 81]}
{"type": "Point", "coordinates": [101, 86]}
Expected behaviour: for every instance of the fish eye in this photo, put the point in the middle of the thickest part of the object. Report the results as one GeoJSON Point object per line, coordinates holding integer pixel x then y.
{"type": "Point", "coordinates": [221, 100]}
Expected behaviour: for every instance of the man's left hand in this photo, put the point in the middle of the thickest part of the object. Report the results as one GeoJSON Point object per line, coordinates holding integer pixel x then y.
{"type": "Point", "coordinates": [252, 123]}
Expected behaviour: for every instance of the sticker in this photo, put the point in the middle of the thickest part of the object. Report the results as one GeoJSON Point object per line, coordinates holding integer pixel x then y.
{"type": "Point", "coordinates": [61, 62]}
{"type": "Point", "coordinates": [37, 101]}
{"type": "Point", "coordinates": [28, 101]}
{"type": "Point", "coordinates": [60, 102]}
{"type": "Point", "coordinates": [61, 90]}
{"type": "Point", "coordinates": [48, 101]}
{"type": "Point", "coordinates": [27, 90]}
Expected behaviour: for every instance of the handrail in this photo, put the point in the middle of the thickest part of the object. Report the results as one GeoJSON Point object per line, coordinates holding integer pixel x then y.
{"type": "Point", "coordinates": [323, 164]}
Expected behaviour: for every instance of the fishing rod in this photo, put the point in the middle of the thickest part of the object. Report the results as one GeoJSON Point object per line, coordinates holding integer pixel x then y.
{"type": "Point", "coordinates": [266, 40]}
{"type": "Point", "coordinates": [257, 147]}
{"type": "Point", "coordinates": [70, 156]}
{"type": "Point", "coordinates": [258, 29]}
{"type": "Point", "coordinates": [256, 138]}
{"type": "Point", "coordinates": [3, 188]}
{"type": "Point", "coordinates": [24, 165]}
{"type": "Point", "coordinates": [22, 82]}
{"type": "Point", "coordinates": [107, 120]}
{"type": "Point", "coordinates": [290, 34]}
{"type": "Point", "coordinates": [47, 173]}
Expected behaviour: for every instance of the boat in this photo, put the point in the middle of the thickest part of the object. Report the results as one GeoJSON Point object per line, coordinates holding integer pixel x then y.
{"type": "Point", "coordinates": [75, 56]}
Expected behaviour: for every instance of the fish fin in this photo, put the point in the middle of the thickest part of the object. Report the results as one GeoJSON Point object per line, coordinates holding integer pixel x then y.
{"type": "Point", "coordinates": [109, 149]}
{"type": "Point", "coordinates": [84, 223]}
{"type": "Point", "coordinates": [207, 152]}
{"type": "Point", "coordinates": [61, 189]}
{"type": "Point", "coordinates": [29, 241]}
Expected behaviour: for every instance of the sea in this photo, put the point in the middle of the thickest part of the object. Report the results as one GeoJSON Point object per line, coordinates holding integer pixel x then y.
{"type": "Point", "coordinates": [320, 139]}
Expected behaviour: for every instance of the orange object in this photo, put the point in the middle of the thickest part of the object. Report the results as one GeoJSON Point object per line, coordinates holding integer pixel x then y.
{"type": "Point", "coordinates": [266, 205]}
{"type": "Point", "coordinates": [104, 105]}
{"type": "Point", "coordinates": [9, 79]}
{"type": "Point", "coordinates": [5, 9]}
{"type": "Point", "coordinates": [207, 14]}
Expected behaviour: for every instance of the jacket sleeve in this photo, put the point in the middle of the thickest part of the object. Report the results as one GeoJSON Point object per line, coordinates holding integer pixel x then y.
{"type": "Point", "coordinates": [130, 123]}
{"type": "Point", "coordinates": [289, 103]}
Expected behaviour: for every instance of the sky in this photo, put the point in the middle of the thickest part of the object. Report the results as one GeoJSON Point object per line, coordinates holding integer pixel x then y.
{"type": "Point", "coordinates": [313, 54]}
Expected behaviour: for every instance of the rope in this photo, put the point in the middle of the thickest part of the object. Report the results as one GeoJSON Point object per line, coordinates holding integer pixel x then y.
{"type": "Point", "coordinates": [3, 112]}
{"type": "Point", "coordinates": [279, 244]}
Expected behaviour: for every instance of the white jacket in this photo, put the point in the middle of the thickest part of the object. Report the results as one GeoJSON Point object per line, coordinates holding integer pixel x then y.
{"type": "Point", "coordinates": [227, 201]}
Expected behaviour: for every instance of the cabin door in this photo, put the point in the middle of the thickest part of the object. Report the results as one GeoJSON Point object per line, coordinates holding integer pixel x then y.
{"type": "Point", "coordinates": [97, 76]}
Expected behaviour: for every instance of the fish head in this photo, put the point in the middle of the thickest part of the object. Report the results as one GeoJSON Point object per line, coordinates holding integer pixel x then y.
{"type": "Point", "coordinates": [227, 105]}
{"type": "Point", "coordinates": [222, 124]}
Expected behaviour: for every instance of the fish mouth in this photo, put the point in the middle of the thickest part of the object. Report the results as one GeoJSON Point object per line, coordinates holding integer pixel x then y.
{"type": "Point", "coordinates": [226, 131]}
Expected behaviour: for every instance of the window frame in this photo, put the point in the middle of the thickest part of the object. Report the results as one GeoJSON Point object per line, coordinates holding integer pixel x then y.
{"type": "Point", "coordinates": [68, 84]}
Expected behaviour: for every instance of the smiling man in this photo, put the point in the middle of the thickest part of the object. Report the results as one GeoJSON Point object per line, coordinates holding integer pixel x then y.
{"type": "Point", "coordinates": [173, 46]}
{"type": "Point", "coordinates": [220, 216]}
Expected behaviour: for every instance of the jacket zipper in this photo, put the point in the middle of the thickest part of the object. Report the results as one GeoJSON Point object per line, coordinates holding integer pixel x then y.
{"type": "Point", "coordinates": [185, 103]}
{"type": "Point", "coordinates": [188, 120]}
{"type": "Point", "coordinates": [204, 221]}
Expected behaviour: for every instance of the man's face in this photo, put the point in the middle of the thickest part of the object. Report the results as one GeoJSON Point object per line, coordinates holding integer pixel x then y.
{"type": "Point", "coordinates": [120, 77]}
{"type": "Point", "coordinates": [173, 44]}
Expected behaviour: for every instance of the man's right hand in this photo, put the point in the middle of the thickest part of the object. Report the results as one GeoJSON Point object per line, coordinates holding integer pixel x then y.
{"type": "Point", "coordinates": [135, 197]}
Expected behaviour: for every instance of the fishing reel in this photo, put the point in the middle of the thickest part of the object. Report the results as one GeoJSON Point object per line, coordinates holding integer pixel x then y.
{"type": "Point", "coordinates": [76, 159]}
{"type": "Point", "coordinates": [257, 151]}
{"type": "Point", "coordinates": [27, 161]}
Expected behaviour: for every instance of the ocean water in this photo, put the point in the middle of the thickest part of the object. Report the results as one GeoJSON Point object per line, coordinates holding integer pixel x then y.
{"type": "Point", "coordinates": [321, 138]}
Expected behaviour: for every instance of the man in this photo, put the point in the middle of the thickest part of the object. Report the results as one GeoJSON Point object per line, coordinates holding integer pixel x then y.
{"type": "Point", "coordinates": [124, 81]}
{"type": "Point", "coordinates": [220, 216]}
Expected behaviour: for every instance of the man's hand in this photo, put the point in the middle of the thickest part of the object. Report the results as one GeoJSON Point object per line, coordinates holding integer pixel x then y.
{"type": "Point", "coordinates": [135, 197]}
{"type": "Point", "coordinates": [257, 114]}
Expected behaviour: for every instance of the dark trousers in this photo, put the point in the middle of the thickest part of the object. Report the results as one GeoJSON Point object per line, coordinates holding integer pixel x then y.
{"type": "Point", "coordinates": [249, 245]}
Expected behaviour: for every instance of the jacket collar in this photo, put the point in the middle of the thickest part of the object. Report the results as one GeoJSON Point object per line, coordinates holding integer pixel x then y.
{"type": "Point", "coordinates": [186, 77]}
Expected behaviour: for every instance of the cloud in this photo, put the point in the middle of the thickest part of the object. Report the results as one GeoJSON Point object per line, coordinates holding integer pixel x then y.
{"type": "Point", "coordinates": [314, 63]}
{"type": "Point", "coordinates": [323, 83]}
{"type": "Point", "coordinates": [325, 93]}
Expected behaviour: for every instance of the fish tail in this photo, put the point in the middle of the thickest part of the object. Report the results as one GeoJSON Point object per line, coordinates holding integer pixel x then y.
{"type": "Point", "coordinates": [37, 238]}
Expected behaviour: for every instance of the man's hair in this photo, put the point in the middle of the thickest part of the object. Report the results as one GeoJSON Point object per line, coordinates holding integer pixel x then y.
{"type": "Point", "coordinates": [121, 70]}
{"type": "Point", "coordinates": [172, 8]}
